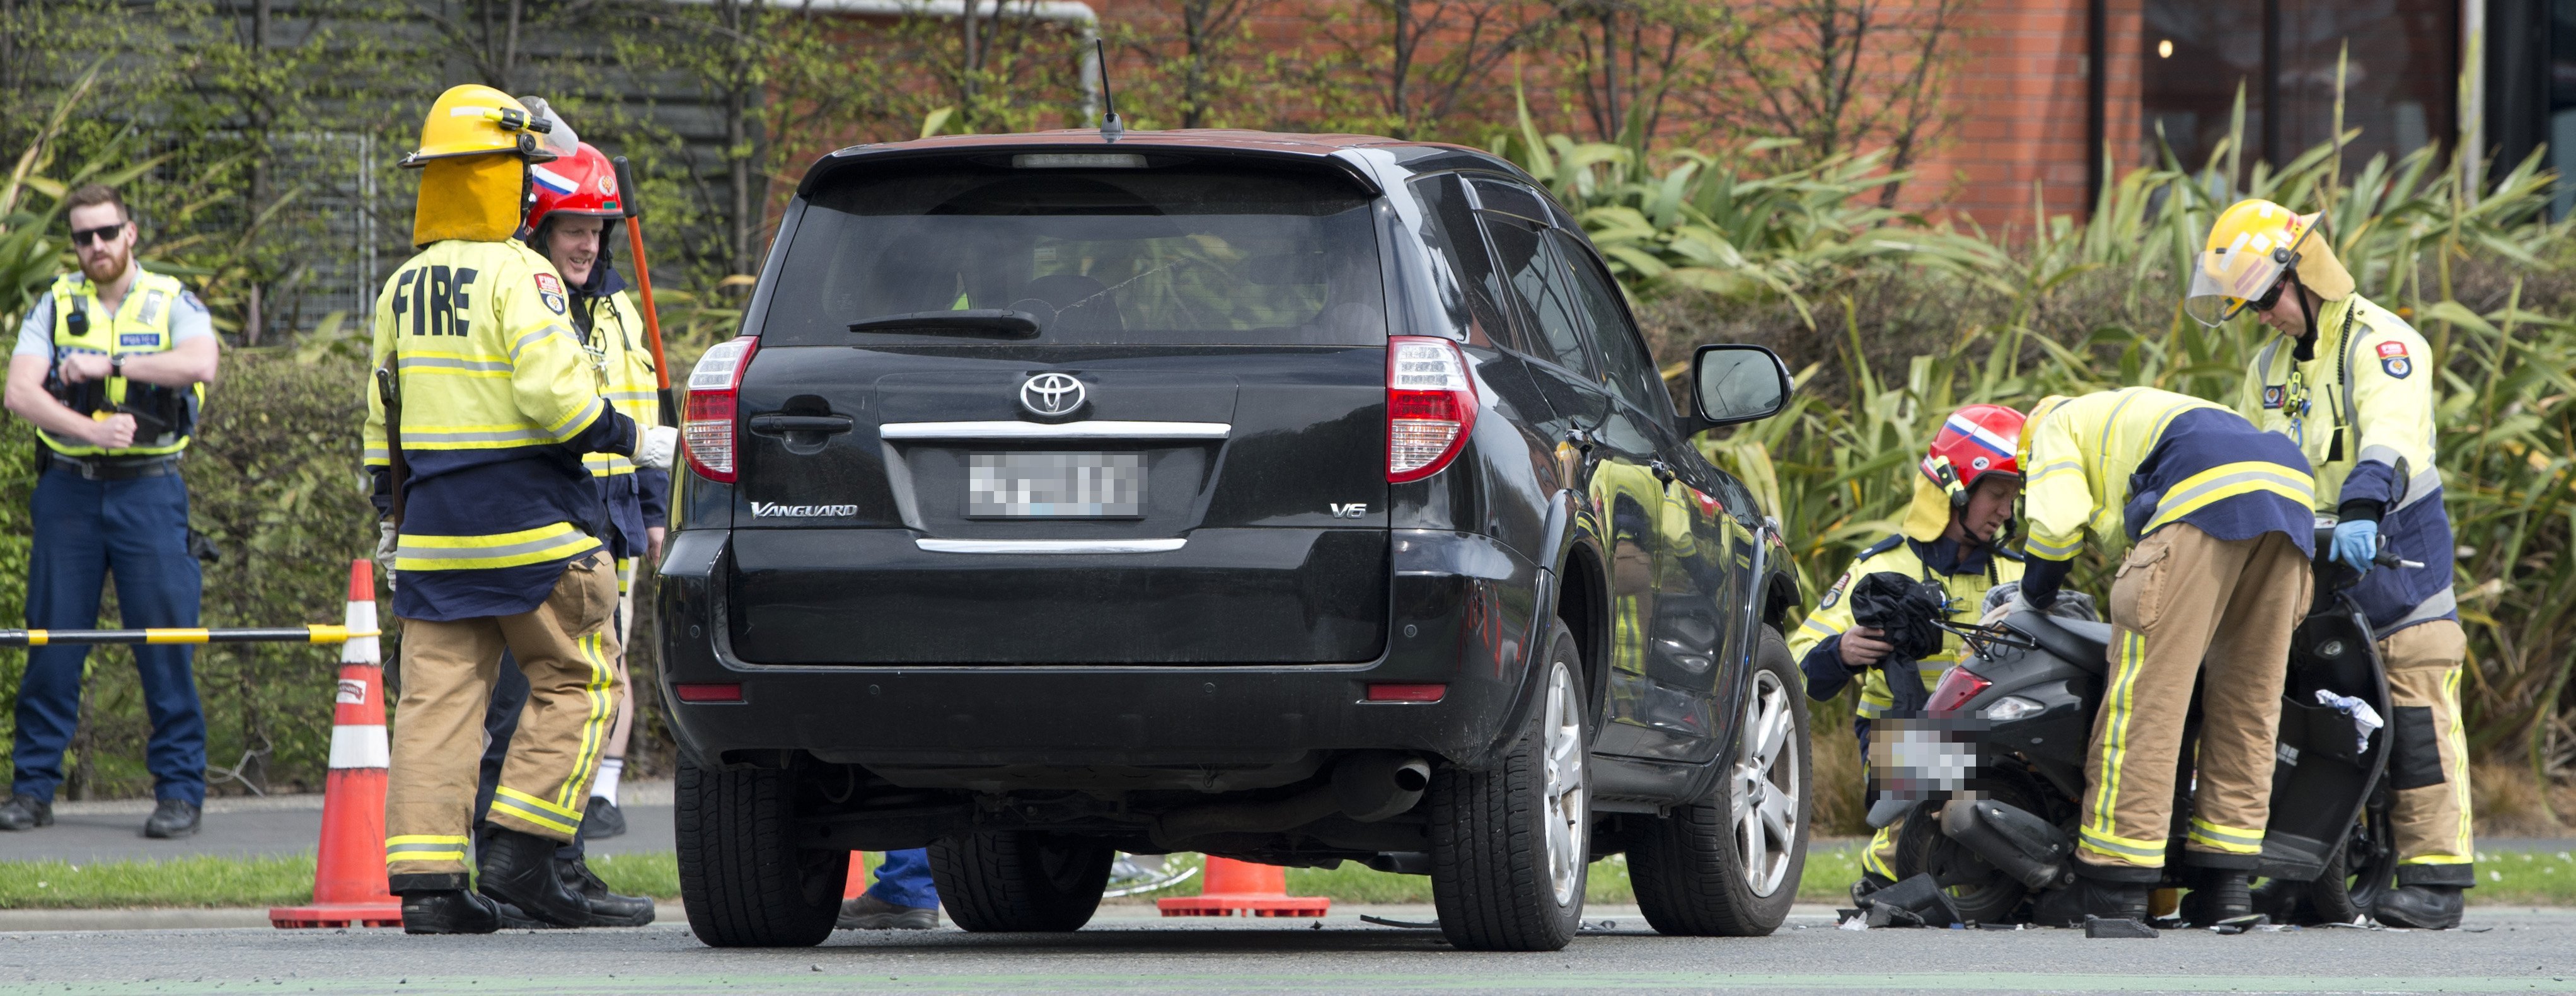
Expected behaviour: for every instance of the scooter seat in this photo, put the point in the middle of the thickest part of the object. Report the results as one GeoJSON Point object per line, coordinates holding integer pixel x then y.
{"type": "Point", "coordinates": [2085, 643]}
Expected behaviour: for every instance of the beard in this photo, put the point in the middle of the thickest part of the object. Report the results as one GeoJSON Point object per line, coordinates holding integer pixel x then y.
{"type": "Point", "coordinates": [107, 270]}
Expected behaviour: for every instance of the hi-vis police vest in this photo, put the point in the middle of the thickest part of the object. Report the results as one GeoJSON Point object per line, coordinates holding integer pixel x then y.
{"type": "Point", "coordinates": [616, 342]}
{"type": "Point", "coordinates": [2361, 408]}
{"type": "Point", "coordinates": [141, 325]}
{"type": "Point", "coordinates": [499, 402]}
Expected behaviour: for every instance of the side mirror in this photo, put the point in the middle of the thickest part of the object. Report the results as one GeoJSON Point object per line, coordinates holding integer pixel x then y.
{"type": "Point", "coordinates": [1733, 383]}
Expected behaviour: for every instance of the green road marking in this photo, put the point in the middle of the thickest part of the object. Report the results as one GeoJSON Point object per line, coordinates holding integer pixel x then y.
{"type": "Point", "coordinates": [842, 981]}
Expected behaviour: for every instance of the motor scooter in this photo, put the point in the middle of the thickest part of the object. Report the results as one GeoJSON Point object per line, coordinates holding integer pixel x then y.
{"type": "Point", "coordinates": [1990, 780]}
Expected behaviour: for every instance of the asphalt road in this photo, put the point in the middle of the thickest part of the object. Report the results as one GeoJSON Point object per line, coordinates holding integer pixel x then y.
{"type": "Point", "coordinates": [1127, 952]}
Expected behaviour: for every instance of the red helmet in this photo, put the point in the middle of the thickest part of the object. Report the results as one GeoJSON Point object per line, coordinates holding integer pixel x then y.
{"type": "Point", "coordinates": [1974, 441]}
{"type": "Point", "coordinates": [580, 184]}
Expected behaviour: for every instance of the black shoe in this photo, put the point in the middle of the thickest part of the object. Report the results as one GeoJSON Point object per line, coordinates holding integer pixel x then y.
{"type": "Point", "coordinates": [26, 812]}
{"type": "Point", "coordinates": [512, 919]}
{"type": "Point", "coordinates": [2423, 907]}
{"type": "Point", "coordinates": [602, 820]}
{"type": "Point", "coordinates": [449, 911]}
{"type": "Point", "coordinates": [607, 909]}
{"type": "Point", "coordinates": [2217, 897]}
{"type": "Point", "coordinates": [172, 819]}
{"type": "Point", "coordinates": [2068, 906]}
{"type": "Point", "coordinates": [519, 869]}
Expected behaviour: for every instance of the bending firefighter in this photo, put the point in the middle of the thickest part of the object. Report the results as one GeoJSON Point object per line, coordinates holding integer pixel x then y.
{"type": "Point", "coordinates": [1963, 499]}
{"type": "Point", "coordinates": [2352, 386]}
{"type": "Point", "coordinates": [2217, 511]}
{"type": "Point", "coordinates": [484, 405]}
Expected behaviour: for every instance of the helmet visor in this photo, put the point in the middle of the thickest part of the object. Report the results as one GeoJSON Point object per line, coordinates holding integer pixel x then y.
{"type": "Point", "coordinates": [2228, 278]}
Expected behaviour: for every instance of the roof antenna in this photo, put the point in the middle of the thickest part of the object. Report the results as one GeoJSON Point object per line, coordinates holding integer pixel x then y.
{"type": "Point", "coordinates": [1111, 129]}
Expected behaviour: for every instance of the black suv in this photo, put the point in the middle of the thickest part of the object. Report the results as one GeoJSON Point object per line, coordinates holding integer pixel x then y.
{"type": "Point", "coordinates": [1295, 499]}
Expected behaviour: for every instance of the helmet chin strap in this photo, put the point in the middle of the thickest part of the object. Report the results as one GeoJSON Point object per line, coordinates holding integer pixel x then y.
{"type": "Point", "coordinates": [2307, 349]}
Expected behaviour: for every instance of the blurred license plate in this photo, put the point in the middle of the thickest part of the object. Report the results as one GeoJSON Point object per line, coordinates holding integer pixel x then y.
{"type": "Point", "coordinates": [1055, 485]}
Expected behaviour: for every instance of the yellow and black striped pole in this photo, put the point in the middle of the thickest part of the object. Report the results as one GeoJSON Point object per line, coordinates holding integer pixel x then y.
{"type": "Point", "coordinates": [273, 634]}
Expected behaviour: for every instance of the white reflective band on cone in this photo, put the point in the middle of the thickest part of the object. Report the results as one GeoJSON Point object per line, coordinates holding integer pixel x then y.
{"type": "Point", "coordinates": [360, 747]}
{"type": "Point", "coordinates": [362, 649]}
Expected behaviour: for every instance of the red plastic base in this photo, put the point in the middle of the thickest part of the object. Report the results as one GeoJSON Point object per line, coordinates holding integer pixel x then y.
{"type": "Point", "coordinates": [337, 915]}
{"type": "Point", "coordinates": [1225, 905]}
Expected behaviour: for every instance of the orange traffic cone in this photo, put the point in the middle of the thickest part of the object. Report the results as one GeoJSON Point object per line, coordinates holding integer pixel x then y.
{"type": "Point", "coordinates": [349, 872]}
{"type": "Point", "coordinates": [858, 880]}
{"type": "Point", "coordinates": [1256, 890]}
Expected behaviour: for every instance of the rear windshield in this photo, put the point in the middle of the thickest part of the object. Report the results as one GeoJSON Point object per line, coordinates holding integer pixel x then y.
{"type": "Point", "coordinates": [1097, 256]}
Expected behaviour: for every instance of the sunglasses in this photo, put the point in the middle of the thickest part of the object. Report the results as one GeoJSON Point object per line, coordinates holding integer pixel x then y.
{"type": "Point", "coordinates": [102, 233]}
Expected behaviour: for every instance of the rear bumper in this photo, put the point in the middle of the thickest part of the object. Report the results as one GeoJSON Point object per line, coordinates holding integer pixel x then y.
{"type": "Point", "coordinates": [1461, 613]}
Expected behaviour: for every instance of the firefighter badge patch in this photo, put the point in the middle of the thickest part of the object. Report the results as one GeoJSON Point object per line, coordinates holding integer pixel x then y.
{"type": "Point", "coordinates": [550, 291]}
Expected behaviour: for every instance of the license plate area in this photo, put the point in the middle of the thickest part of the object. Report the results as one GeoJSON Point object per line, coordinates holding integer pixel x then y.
{"type": "Point", "coordinates": [1055, 484]}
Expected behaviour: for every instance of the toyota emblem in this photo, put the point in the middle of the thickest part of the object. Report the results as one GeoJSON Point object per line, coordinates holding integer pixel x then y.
{"type": "Point", "coordinates": [1051, 394]}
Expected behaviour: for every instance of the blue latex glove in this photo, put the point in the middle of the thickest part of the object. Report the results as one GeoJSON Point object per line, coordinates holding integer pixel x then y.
{"type": "Point", "coordinates": [2355, 542]}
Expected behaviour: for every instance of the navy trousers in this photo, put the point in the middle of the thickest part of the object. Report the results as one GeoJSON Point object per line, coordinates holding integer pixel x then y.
{"type": "Point", "coordinates": [904, 879]}
{"type": "Point", "coordinates": [136, 531]}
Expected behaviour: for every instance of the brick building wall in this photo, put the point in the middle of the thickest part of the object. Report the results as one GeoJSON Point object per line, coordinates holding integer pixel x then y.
{"type": "Point", "coordinates": [2020, 101]}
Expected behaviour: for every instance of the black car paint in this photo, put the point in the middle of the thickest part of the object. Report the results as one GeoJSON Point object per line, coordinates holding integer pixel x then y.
{"type": "Point", "coordinates": [1478, 558]}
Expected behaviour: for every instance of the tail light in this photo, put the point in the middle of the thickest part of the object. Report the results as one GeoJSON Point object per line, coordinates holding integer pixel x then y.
{"type": "Point", "coordinates": [1955, 689]}
{"type": "Point", "coordinates": [708, 426]}
{"type": "Point", "coordinates": [1430, 406]}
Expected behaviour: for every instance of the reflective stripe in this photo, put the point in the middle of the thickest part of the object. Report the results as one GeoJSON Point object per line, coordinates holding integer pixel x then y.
{"type": "Point", "coordinates": [457, 553]}
{"type": "Point", "coordinates": [2443, 603]}
{"type": "Point", "coordinates": [424, 847]}
{"type": "Point", "coordinates": [427, 364]}
{"type": "Point", "coordinates": [2425, 485]}
{"type": "Point", "coordinates": [2148, 853]}
{"type": "Point", "coordinates": [535, 810]}
{"type": "Point", "coordinates": [2232, 480]}
{"type": "Point", "coordinates": [532, 338]}
{"type": "Point", "coordinates": [2118, 707]}
{"type": "Point", "coordinates": [1870, 861]}
{"type": "Point", "coordinates": [2053, 551]}
{"type": "Point", "coordinates": [607, 464]}
{"type": "Point", "coordinates": [594, 725]}
{"type": "Point", "coordinates": [571, 425]}
{"type": "Point", "coordinates": [2059, 466]}
{"type": "Point", "coordinates": [2230, 840]}
{"type": "Point", "coordinates": [1820, 628]}
{"type": "Point", "coordinates": [473, 438]}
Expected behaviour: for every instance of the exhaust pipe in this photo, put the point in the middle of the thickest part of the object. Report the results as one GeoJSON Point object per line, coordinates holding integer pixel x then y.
{"type": "Point", "coordinates": [2010, 838]}
{"type": "Point", "coordinates": [1367, 787]}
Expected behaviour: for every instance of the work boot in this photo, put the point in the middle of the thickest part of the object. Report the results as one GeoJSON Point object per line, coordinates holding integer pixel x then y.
{"type": "Point", "coordinates": [2218, 896]}
{"type": "Point", "coordinates": [2424, 907]}
{"type": "Point", "coordinates": [172, 819]}
{"type": "Point", "coordinates": [26, 812]}
{"type": "Point", "coordinates": [512, 919]}
{"type": "Point", "coordinates": [865, 912]}
{"type": "Point", "coordinates": [607, 909]}
{"type": "Point", "coordinates": [2068, 906]}
{"type": "Point", "coordinates": [448, 911]}
{"type": "Point", "coordinates": [602, 820]}
{"type": "Point", "coordinates": [1870, 883]}
{"type": "Point", "coordinates": [519, 869]}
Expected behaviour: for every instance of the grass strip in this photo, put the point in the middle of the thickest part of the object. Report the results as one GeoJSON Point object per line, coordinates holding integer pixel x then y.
{"type": "Point", "coordinates": [2506, 878]}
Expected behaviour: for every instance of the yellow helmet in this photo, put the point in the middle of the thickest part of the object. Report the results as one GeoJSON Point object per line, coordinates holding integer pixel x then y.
{"type": "Point", "coordinates": [2251, 245]}
{"type": "Point", "coordinates": [475, 120]}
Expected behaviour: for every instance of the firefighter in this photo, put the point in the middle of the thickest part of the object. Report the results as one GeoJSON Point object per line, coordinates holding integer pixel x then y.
{"type": "Point", "coordinates": [2216, 515]}
{"type": "Point", "coordinates": [2352, 385]}
{"type": "Point", "coordinates": [1963, 500]}
{"type": "Point", "coordinates": [484, 405]}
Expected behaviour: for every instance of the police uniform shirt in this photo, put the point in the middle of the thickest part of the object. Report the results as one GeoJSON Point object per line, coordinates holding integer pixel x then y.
{"type": "Point", "coordinates": [2361, 408]}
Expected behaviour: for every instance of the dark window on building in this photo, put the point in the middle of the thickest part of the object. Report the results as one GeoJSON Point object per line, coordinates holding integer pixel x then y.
{"type": "Point", "coordinates": [2399, 89]}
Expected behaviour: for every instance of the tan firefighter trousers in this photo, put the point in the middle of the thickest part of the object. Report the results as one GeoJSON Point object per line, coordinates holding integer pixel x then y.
{"type": "Point", "coordinates": [2430, 765]}
{"type": "Point", "coordinates": [2183, 598]}
{"type": "Point", "coordinates": [565, 647]}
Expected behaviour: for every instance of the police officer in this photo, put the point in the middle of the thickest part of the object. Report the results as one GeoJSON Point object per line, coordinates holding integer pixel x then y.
{"type": "Point", "coordinates": [2352, 385]}
{"type": "Point", "coordinates": [111, 366]}
{"type": "Point", "coordinates": [2217, 511]}
{"type": "Point", "coordinates": [574, 197]}
{"type": "Point", "coordinates": [486, 402]}
{"type": "Point", "coordinates": [1963, 498]}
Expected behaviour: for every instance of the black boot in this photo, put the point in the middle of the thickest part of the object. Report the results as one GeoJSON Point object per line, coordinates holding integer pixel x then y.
{"type": "Point", "coordinates": [602, 820]}
{"type": "Point", "coordinates": [26, 812]}
{"type": "Point", "coordinates": [172, 819]}
{"type": "Point", "coordinates": [2424, 907]}
{"type": "Point", "coordinates": [448, 911]}
{"type": "Point", "coordinates": [519, 869]}
{"type": "Point", "coordinates": [2068, 906]}
{"type": "Point", "coordinates": [2219, 896]}
{"type": "Point", "coordinates": [607, 909]}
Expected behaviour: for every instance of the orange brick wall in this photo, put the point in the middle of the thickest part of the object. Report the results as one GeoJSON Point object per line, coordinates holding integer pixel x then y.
{"type": "Point", "coordinates": [2019, 97]}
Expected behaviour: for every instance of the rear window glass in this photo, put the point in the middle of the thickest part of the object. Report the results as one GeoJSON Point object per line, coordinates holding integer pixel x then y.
{"type": "Point", "coordinates": [1097, 256]}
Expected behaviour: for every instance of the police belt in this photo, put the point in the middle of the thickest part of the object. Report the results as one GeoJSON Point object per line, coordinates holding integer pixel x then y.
{"type": "Point", "coordinates": [114, 468]}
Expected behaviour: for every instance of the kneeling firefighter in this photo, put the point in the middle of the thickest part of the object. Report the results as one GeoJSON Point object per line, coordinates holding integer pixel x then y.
{"type": "Point", "coordinates": [1963, 500]}
{"type": "Point", "coordinates": [2217, 515]}
{"type": "Point", "coordinates": [2351, 384]}
{"type": "Point", "coordinates": [484, 404]}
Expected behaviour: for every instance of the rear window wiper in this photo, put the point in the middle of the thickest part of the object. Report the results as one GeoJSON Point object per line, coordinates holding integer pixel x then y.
{"type": "Point", "coordinates": [995, 323]}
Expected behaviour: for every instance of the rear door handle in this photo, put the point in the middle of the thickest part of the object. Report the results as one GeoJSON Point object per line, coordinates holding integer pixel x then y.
{"type": "Point", "coordinates": [779, 425]}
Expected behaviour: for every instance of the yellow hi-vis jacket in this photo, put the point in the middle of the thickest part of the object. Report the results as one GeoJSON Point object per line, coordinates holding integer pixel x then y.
{"type": "Point", "coordinates": [141, 325]}
{"type": "Point", "coordinates": [1833, 615]}
{"type": "Point", "coordinates": [2361, 408]}
{"type": "Point", "coordinates": [616, 340]}
{"type": "Point", "coordinates": [499, 403]}
{"type": "Point", "coordinates": [2126, 463]}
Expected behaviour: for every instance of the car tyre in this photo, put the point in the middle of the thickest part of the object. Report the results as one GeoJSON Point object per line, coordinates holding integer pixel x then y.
{"type": "Point", "coordinates": [1509, 846]}
{"type": "Point", "coordinates": [1019, 882]}
{"type": "Point", "coordinates": [1729, 866]}
{"type": "Point", "coordinates": [743, 881]}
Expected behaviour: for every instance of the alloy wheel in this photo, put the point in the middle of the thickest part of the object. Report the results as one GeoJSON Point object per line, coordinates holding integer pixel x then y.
{"type": "Point", "coordinates": [1765, 787]}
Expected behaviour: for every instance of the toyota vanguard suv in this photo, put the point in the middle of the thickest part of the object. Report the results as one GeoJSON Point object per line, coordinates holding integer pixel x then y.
{"type": "Point", "coordinates": [1294, 499]}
